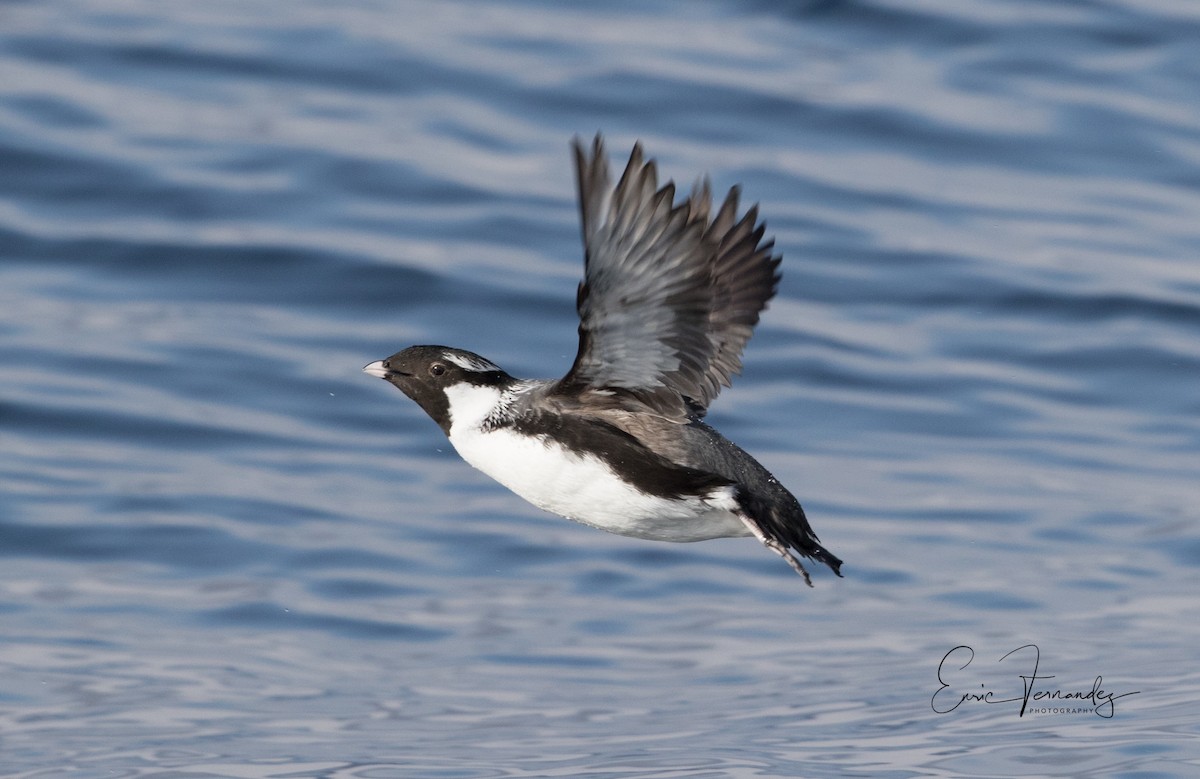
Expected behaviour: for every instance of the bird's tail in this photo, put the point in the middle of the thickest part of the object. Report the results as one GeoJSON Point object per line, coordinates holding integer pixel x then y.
{"type": "Point", "coordinates": [811, 548]}
{"type": "Point", "coordinates": [783, 535]}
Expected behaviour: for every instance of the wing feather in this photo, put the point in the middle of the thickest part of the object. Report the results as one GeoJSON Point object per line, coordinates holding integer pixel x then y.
{"type": "Point", "coordinates": [669, 297]}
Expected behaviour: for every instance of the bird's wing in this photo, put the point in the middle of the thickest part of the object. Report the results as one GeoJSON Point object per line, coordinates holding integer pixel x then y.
{"type": "Point", "coordinates": [669, 296]}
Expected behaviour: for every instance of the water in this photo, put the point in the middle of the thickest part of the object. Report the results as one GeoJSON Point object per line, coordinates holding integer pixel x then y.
{"type": "Point", "coordinates": [226, 552]}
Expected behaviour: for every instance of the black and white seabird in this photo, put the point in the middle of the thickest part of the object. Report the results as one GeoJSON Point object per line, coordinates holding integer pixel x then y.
{"type": "Point", "coordinates": [669, 298]}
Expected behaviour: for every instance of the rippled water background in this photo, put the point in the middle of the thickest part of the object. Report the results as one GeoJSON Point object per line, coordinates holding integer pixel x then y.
{"type": "Point", "coordinates": [226, 552]}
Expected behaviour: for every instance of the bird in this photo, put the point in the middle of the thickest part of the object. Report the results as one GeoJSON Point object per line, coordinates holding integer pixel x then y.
{"type": "Point", "coordinates": [670, 296]}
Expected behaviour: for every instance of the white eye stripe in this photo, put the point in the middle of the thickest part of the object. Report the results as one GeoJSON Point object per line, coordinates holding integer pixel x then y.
{"type": "Point", "coordinates": [473, 364]}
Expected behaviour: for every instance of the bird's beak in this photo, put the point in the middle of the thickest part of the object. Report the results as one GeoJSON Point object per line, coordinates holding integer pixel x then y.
{"type": "Point", "coordinates": [376, 369]}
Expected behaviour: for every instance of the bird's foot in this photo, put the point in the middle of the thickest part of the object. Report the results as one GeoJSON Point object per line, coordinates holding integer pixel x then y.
{"type": "Point", "coordinates": [777, 547]}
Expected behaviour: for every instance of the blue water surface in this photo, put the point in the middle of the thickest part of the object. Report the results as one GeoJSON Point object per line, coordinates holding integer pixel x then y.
{"type": "Point", "coordinates": [224, 551]}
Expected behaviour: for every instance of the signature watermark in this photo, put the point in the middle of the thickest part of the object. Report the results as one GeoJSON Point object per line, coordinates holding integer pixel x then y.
{"type": "Point", "coordinates": [959, 686]}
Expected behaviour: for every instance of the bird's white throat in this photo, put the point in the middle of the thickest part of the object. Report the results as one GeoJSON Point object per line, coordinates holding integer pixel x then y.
{"type": "Point", "coordinates": [470, 404]}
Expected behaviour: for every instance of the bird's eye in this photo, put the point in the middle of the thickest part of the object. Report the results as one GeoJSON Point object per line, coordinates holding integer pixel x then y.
{"type": "Point", "coordinates": [437, 369]}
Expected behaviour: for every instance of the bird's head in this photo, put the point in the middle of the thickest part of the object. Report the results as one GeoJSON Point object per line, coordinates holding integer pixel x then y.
{"type": "Point", "coordinates": [451, 385]}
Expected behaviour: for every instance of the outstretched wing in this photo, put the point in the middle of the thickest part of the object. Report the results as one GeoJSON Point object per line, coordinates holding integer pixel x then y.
{"type": "Point", "coordinates": [669, 296]}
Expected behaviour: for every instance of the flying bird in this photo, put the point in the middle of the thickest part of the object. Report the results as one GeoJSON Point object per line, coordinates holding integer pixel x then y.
{"type": "Point", "coordinates": [670, 295]}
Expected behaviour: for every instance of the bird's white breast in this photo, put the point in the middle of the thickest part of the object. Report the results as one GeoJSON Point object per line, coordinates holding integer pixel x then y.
{"type": "Point", "coordinates": [579, 486]}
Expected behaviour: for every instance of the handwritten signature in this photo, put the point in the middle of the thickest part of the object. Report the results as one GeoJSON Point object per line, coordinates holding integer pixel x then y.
{"type": "Point", "coordinates": [951, 694]}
